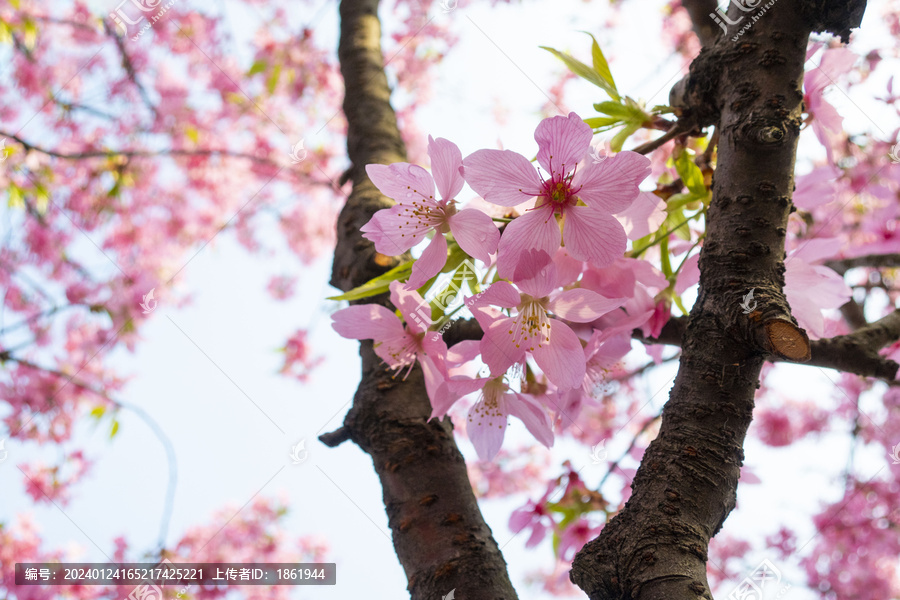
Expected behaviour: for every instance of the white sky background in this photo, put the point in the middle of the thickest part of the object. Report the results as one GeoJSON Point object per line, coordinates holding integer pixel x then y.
{"type": "Point", "coordinates": [228, 450]}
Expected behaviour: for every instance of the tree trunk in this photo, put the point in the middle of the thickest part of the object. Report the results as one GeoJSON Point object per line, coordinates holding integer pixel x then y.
{"type": "Point", "coordinates": [439, 534]}
{"type": "Point", "coordinates": [656, 547]}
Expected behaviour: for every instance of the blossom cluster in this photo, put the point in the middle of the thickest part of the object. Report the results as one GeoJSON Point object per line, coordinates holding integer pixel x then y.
{"type": "Point", "coordinates": [542, 310]}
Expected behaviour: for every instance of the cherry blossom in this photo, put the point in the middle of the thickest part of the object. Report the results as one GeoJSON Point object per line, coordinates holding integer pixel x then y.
{"type": "Point", "coordinates": [589, 230]}
{"type": "Point", "coordinates": [554, 346]}
{"type": "Point", "coordinates": [396, 229]}
{"type": "Point", "coordinates": [811, 288]}
{"type": "Point", "coordinates": [398, 345]}
{"type": "Point", "coordinates": [825, 119]}
{"type": "Point", "coordinates": [487, 419]}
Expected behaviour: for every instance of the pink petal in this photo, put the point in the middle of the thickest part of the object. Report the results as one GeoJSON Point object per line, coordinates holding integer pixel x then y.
{"type": "Point", "coordinates": [748, 476]}
{"type": "Point", "coordinates": [533, 415]}
{"type": "Point", "coordinates": [519, 519]}
{"type": "Point", "coordinates": [562, 358]}
{"type": "Point", "coordinates": [498, 348]}
{"type": "Point", "coordinates": [395, 230]}
{"type": "Point", "coordinates": [503, 177]}
{"type": "Point", "coordinates": [827, 117]}
{"type": "Point", "coordinates": [646, 273]}
{"type": "Point", "coordinates": [403, 182]}
{"type": "Point", "coordinates": [811, 289]}
{"type": "Point", "coordinates": [583, 306]}
{"type": "Point", "coordinates": [612, 185]}
{"type": "Point", "coordinates": [430, 263]}
{"type": "Point", "coordinates": [500, 294]}
{"type": "Point", "coordinates": [816, 250]}
{"type": "Point", "coordinates": [537, 229]}
{"type": "Point", "coordinates": [397, 351]}
{"type": "Point", "coordinates": [450, 391]}
{"type": "Point", "coordinates": [593, 236]}
{"type": "Point", "coordinates": [816, 187]}
{"type": "Point", "coordinates": [434, 373]}
{"type": "Point", "coordinates": [446, 161]}
{"type": "Point", "coordinates": [435, 347]}
{"type": "Point", "coordinates": [563, 141]}
{"type": "Point", "coordinates": [537, 535]}
{"type": "Point", "coordinates": [485, 314]}
{"type": "Point", "coordinates": [569, 268]}
{"type": "Point", "coordinates": [475, 233]}
{"type": "Point", "coordinates": [536, 274]}
{"type": "Point", "coordinates": [463, 352]}
{"type": "Point", "coordinates": [604, 351]}
{"type": "Point", "coordinates": [367, 322]}
{"type": "Point", "coordinates": [644, 216]}
{"type": "Point", "coordinates": [485, 432]}
{"type": "Point", "coordinates": [616, 280]}
{"type": "Point", "coordinates": [416, 312]}
{"type": "Point", "coordinates": [689, 274]}
{"type": "Point", "coordinates": [386, 234]}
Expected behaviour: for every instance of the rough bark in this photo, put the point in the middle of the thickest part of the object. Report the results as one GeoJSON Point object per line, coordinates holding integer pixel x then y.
{"type": "Point", "coordinates": [703, 25]}
{"type": "Point", "coordinates": [439, 534]}
{"type": "Point", "coordinates": [855, 353]}
{"type": "Point", "coordinates": [656, 547]}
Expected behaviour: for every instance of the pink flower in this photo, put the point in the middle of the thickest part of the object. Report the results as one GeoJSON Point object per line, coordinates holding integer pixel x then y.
{"type": "Point", "coordinates": [590, 232]}
{"type": "Point", "coordinates": [486, 424]}
{"type": "Point", "coordinates": [601, 355]}
{"type": "Point", "coordinates": [575, 536]}
{"type": "Point", "coordinates": [824, 117]}
{"type": "Point", "coordinates": [396, 345]}
{"type": "Point", "coordinates": [281, 287]}
{"type": "Point", "coordinates": [816, 188]}
{"type": "Point", "coordinates": [396, 229]}
{"type": "Point", "coordinates": [645, 215]}
{"type": "Point", "coordinates": [531, 515]}
{"type": "Point", "coordinates": [810, 289]}
{"type": "Point", "coordinates": [555, 347]}
{"type": "Point", "coordinates": [298, 356]}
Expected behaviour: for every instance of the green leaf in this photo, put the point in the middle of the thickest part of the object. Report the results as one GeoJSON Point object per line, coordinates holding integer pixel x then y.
{"type": "Point", "coordinates": [462, 275]}
{"type": "Point", "coordinates": [16, 198]}
{"type": "Point", "coordinates": [257, 67]}
{"type": "Point", "coordinates": [115, 429]}
{"type": "Point", "coordinates": [618, 140]}
{"type": "Point", "coordinates": [192, 134]}
{"type": "Point", "coordinates": [30, 37]}
{"type": "Point", "coordinates": [272, 82]}
{"type": "Point", "coordinates": [665, 261]}
{"type": "Point", "coordinates": [690, 173]}
{"type": "Point", "coordinates": [379, 285]}
{"type": "Point", "coordinates": [615, 109]}
{"type": "Point", "coordinates": [5, 33]}
{"type": "Point", "coordinates": [583, 71]}
{"type": "Point", "coordinates": [677, 223]}
{"type": "Point", "coordinates": [597, 122]}
{"type": "Point", "coordinates": [601, 66]}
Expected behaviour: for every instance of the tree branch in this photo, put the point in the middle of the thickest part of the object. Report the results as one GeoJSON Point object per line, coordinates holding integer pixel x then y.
{"type": "Point", "coordinates": [656, 547]}
{"type": "Point", "coordinates": [872, 260]}
{"type": "Point", "coordinates": [439, 534]}
{"type": "Point", "coordinates": [132, 153]}
{"type": "Point", "coordinates": [855, 353]}
{"type": "Point", "coordinates": [703, 25]}
{"type": "Point", "coordinates": [128, 65]}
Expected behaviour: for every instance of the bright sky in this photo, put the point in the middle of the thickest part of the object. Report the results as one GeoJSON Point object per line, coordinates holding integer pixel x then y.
{"type": "Point", "coordinates": [208, 372]}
